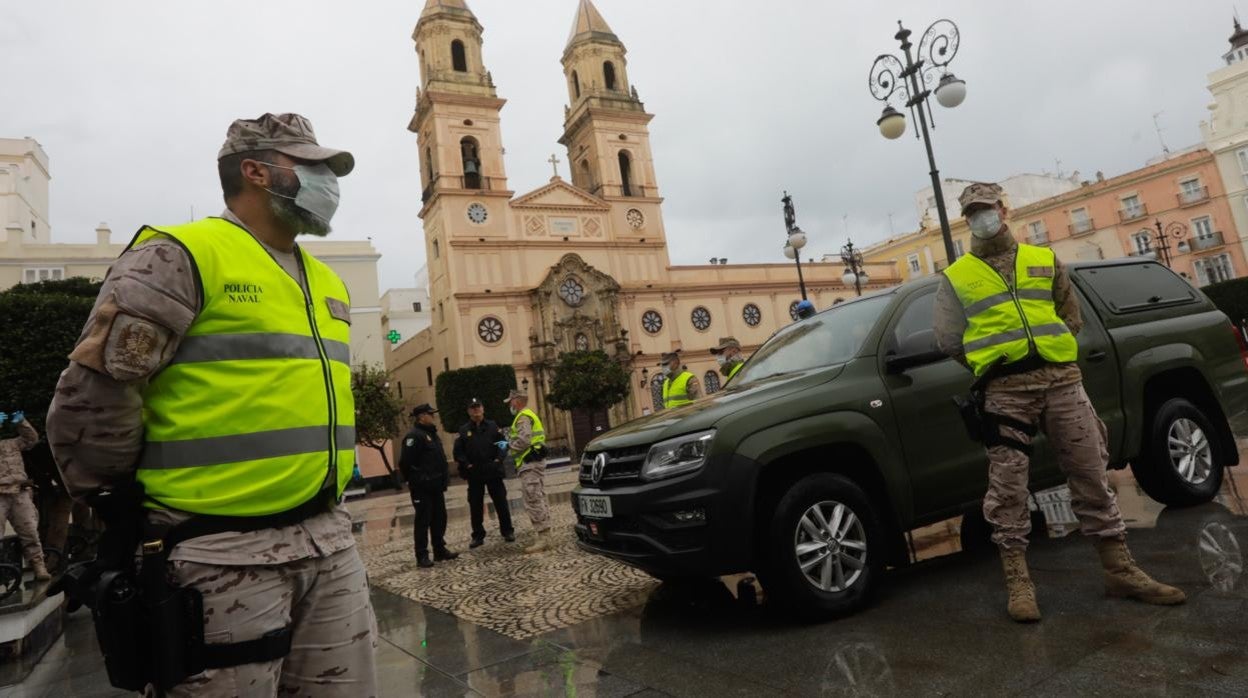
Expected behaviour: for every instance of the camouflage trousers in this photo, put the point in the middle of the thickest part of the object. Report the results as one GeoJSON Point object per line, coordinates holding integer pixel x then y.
{"type": "Point", "coordinates": [1079, 440]}
{"type": "Point", "coordinates": [324, 598]}
{"type": "Point", "coordinates": [533, 482]}
{"type": "Point", "coordinates": [18, 508]}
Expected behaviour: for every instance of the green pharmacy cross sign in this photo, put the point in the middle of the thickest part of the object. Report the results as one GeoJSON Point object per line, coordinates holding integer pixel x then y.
{"type": "Point", "coordinates": [394, 336]}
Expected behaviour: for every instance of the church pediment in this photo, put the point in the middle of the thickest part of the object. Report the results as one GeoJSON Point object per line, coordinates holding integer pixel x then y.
{"type": "Point", "coordinates": [560, 195]}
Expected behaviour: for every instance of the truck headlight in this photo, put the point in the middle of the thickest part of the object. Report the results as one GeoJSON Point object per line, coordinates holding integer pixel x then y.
{"type": "Point", "coordinates": [683, 454]}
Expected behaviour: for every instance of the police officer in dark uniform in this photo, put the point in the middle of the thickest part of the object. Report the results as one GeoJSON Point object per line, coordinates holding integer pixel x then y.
{"type": "Point", "coordinates": [423, 462]}
{"type": "Point", "coordinates": [480, 462]}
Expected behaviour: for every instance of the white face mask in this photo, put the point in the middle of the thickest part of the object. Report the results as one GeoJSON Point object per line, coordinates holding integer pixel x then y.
{"type": "Point", "coordinates": [514, 410]}
{"type": "Point", "coordinates": [318, 190]}
{"type": "Point", "coordinates": [721, 359]}
{"type": "Point", "coordinates": [985, 223]}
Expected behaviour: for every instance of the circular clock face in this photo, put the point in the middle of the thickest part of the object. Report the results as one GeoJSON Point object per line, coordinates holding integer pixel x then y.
{"type": "Point", "coordinates": [752, 315]}
{"type": "Point", "coordinates": [490, 330]}
{"type": "Point", "coordinates": [701, 318]}
{"type": "Point", "coordinates": [477, 213]}
{"type": "Point", "coordinates": [571, 291]}
{"type": "Point", "coordinates": [635, 219]}
{"type": "Point", "coordinates": [651, 322]}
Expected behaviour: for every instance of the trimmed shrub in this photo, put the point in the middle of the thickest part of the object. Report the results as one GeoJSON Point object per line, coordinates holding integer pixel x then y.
{"type": "Point", "coordinates": [490, 384]}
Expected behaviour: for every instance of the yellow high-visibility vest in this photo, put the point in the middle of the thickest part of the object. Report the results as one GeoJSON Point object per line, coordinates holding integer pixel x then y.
{"type": "Point", "coordinates": [676, 391]}
{"type": "Point", "coordinates": [1011, 321]}
{"type": "Point", "coordinates": [254, 415]}
{"type": "Point", "coordinates": [537, 438]}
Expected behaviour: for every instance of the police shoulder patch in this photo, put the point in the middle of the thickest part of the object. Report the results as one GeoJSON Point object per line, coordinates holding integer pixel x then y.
{"type": "Point", "coordinates": [410, 442]}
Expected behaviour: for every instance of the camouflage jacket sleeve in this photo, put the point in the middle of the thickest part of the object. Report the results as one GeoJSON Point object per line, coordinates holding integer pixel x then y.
{"type": "Point", "coordinates": [95, 422]}
{"type": "Point", "coordinates": [1066, 298]}
{"type": "Point", "coordinates": [27, 435]}
{"type": "Point", "coordinates": [524, 436]}
{"type": "Point", "coordinates": [693, 389]}
{"type": "Point", "coordinates": [949, 321]}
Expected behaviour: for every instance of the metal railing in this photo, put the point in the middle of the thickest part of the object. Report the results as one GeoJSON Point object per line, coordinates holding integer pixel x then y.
{"type": "Point", "coordinates": [1207, 242]}
{"type": "Point", "coordinates": [1132, 213]}
{"type": "Point", "coordinates": [1190, 198]}
{"type": "Point", "coordinates": [1082, 227]}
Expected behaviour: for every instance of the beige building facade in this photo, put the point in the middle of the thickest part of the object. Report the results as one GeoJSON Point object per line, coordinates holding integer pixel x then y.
{"type": "Point", "coordinates": [1226, 132]}
{"type": "Point", "coordinates": [580, 264]}
{"type": "Point", "coordinates": [24, 179]}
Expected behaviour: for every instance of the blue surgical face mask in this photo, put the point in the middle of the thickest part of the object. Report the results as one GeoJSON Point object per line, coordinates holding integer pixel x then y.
{"type": "Point", "coordinates": [985, 223]}
{"type": "Point", "coordinates": [318, 190]}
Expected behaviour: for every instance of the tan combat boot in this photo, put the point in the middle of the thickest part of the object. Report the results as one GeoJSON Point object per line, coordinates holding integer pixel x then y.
{"type": "Point", "coordinates": [1022, 604]}
{"type": "Point", "coordinates": [1123, 578]}
{"type": "Point", "coordinates": [541, 544]}
{"type": "Point", "coordinates": [41, 571]}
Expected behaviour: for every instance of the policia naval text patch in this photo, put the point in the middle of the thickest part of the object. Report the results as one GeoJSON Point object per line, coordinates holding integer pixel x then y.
{"type": "Point", "coordinates": [243, 293]}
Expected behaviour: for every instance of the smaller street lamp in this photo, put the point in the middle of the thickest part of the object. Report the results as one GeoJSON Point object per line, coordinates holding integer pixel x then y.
{"type": "Point", "coordinates": [855, 274]}
{"type": "Point", "coordinates": [796, 241]}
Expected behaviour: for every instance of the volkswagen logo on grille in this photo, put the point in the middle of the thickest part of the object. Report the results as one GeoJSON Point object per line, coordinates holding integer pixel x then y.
{"type": "Point", "coordinates": [599, 467]}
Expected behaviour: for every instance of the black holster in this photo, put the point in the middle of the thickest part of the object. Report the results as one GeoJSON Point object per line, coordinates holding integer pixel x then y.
{"type": "Point", "coordinates": [985, 427]}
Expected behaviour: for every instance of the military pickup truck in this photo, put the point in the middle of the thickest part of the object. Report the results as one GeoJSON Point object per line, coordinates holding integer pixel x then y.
{"type": "Point", "coordinates": [840, 435]}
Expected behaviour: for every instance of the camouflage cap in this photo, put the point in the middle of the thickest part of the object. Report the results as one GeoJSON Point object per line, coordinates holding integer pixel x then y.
{"type": "Point", "coordinates": [668, 357]}
{"type": "Point", "coordinates": [290, 134]}
{"type": "Point", "coordinates": [725, 343]}
{"type": "Point", "coordinates": [515, 394]}
{"type": "Point", "coordinates": [980, 193]}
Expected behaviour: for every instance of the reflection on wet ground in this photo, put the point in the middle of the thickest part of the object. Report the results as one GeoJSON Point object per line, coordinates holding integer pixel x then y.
{"type": "Point", "coordinates": [939, 627]}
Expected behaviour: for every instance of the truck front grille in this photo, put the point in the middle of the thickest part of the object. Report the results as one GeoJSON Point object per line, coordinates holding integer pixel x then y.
{"type": "Point", "coordinates": [623, 466]}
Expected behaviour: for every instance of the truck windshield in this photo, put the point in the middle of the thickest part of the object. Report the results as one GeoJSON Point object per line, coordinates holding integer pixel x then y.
{"type": "Point", "coordinates": [831, 337]}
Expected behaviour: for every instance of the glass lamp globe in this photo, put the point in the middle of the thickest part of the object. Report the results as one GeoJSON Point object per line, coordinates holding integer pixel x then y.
{"type": "Point", "coordinates": [848, 277]}
{"type": "Point", "coordinates": [789, 251]}
{"type": "Point", "coordinates": [951, 91]}
{"type": "Point", "coordinates": [892, 123]}
{"type": "Point", "coordinates": [864, 278]}
{"type": "Point", "coordinates": [797, 239]}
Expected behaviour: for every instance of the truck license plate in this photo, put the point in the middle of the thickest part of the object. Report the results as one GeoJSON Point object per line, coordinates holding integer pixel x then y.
{"type": "Point", "coordinates": [595, 506]}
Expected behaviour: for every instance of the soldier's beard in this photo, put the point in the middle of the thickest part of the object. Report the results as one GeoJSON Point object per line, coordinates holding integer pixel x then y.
{"type": "Point", "coordinates": [295, 218]}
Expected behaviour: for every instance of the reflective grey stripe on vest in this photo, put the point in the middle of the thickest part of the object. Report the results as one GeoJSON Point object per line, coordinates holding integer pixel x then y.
{"type": "Point", "coordinates": [217, 450]}
{"type": "Point", "coordinates": [1033, 294]}
{"type": "Point", "coordinates": [1053, 330]}
{"type": "Point", "coordinates": [260, 345]}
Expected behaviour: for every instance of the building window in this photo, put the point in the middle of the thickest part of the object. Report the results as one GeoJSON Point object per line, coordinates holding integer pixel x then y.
{"type": "Point", "coordinates": [913, 261]}
{"type": "Point", "coordinates": [626, 173]}
{"type": "Point", "coordinates": [1203, 227]}
{"type": "Point", "coordinates": [957, 249]}
{"type": "Point", "coordinates": [582, 342]}
{"type": "Point", "coordinates": [587, 177]}
{"type": "Point", "coordinates": [1242, 156]}
{"type": "Point", "coordinates": [931, 202]}
{"type": "Point", "coordinates": [701, 318]}
{"type": "Point", "coordinates": [446, 364]}
{"type": "Point", "coordinates": [429, 374]}
{"type": "Point", "coordinates": [1213, 270]}
{"type": "Point", "coordinates": [459, 60]}
{"type": "Point", "coordinates": [470, 152]}
{"type": "Point", "coordinates": [1037, 234]}
{"type": "Point", "coordinates": [1143, 242]}
{"type": "Point", "coordinates": [429, 165]}
{"type": "Point", "coordinates": [490, 330]}
{"type": "Point", "coordinates": [571, 291]}
{"type": "Point", "coordinates": [576, 85]}
{"type": "Point", "coordinates": [1132, 208]}
{"type": "Point", "coordinates": [711, 379]}
{"type": "Point", "coordinates": [751, 314]}
{"type": "Point", "coordinates": [437, 251]}
{"type": "Point", "coordinates": [1080, 222]}
{"type": "Point", "coordinates": [441, 313]}
{"type": "Point", "coordinates": [793, 311]}
{"type": "Point", "coordinates": [1190, 191]}
{"type": "Point", "coordinates": [652, 322]}
{"type": "Point", "coordinates": [656, 392]}
{"type": "Point", "coordinates": [608, 74]}
{"type": "Point", "coordinates": [31, 275]}
{"type": "Point", "coordinates": [416, 307]}
{"type": "Point", "coordinates": [400, 390]}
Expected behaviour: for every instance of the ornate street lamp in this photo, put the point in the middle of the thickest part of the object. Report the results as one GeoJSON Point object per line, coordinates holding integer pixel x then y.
{"type": "Point", "coordinates": [796, 240]}
{"type": "Point", "coordinates": [855, 274]}
{"type": "Point", "coordinates": [1174, 231]}
{"type": "Point", "coordinates": [910, 82]}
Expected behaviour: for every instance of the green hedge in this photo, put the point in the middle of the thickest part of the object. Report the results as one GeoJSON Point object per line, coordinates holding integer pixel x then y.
{"type": "Point", "coordinates": [1231, 297]}
{"type": "Point", "coordinates": [489, 383]}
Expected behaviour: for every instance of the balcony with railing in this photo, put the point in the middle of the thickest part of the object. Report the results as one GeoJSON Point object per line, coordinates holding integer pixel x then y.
{"type": "Point", "coordinates": [1192, 197]}
{"type": "Point", "coordinates": [460, 182]}
{"type": "Point", "coordinates": [1145, 254]}
{"type": "Point", "coordinates": [1038, 237]}
{"type": "Point", "coordinates": [1132, 213]}
{"type": "Point", "coordinates": [1207, 242]}
{"type": "Point", "coordinates": [1081, 227]}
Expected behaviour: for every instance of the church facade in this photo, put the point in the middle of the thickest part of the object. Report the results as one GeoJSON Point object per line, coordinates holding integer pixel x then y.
{"type": "Point", "coordinates": [574, 265]}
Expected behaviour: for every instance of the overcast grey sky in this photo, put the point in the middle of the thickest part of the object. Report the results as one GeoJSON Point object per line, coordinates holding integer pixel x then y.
{"type": "Point", "coordinates": [131, 99]}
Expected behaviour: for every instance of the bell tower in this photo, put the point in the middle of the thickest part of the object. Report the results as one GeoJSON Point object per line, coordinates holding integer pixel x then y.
{"type": "Point", "coordinates": [605, 129]}
{"type": "Point", "coordinates": [457, 109]}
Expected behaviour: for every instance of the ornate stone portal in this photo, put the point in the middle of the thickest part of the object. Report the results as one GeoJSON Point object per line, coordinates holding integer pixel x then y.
{"type": "Point", "coordinates": [575, 308]}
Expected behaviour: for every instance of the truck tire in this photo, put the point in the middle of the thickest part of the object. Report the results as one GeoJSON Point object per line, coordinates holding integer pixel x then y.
{"type": "Point", "coordinates": [1181, 463]}
{"type": "Point", "coordinates": [828, 525]}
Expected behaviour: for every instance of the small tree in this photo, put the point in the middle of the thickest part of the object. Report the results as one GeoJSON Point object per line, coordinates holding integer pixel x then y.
{"type": "Point", "coordinates": [489, 384]}
{"type": "Point", "coordinates": [588, 379]}
{"type": "Point", "coordinates": [377, 412]}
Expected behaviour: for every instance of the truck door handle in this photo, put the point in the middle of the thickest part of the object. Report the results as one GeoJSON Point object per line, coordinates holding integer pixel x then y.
{"type": "Point", "coordinates": [1097, 356]}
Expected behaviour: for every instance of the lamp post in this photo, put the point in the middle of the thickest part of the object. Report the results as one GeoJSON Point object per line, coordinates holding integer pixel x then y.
{"type": "Point", "coordinates": [796, 241]}
{"type": "Point", "coordinates": [910, 81]}
{"type": "Point", "coordinates": [1174, 231]}
{"type": "Point", "coordinates": [855, 275]}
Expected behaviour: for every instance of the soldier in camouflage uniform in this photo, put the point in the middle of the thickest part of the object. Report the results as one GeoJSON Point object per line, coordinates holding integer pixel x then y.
{"type": "Point", "coordinates": [16, 504]}
{"type": "Point", "coordinates": [526, 433]}
{"type": "Point", "coordinates": [1051, 396]}
{"type": "Point", "coordinates": [307, 575]}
